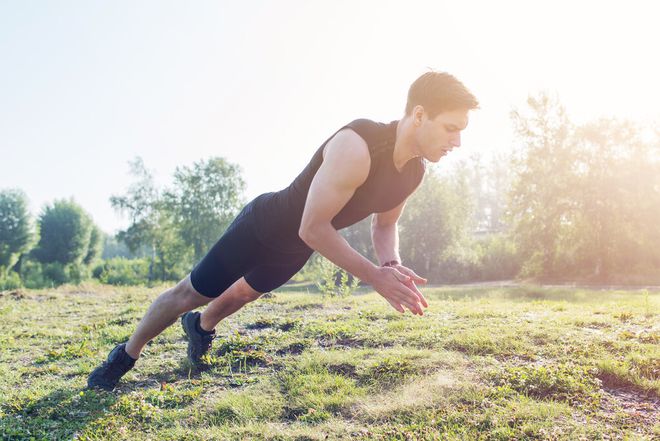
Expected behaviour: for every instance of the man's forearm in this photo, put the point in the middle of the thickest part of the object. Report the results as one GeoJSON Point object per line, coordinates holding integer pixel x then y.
{"type": "Point", "coordinates": [331, 245]}
{"type": "Point", "coordinates": [386, 242]}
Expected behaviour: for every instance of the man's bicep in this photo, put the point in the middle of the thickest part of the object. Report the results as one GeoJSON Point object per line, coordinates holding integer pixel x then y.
{"type": "Point", "coordinates": [345, 167]}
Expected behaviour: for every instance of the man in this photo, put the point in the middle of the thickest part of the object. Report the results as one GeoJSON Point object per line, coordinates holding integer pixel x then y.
{"type": "Point", "coordinates": [364, 168]}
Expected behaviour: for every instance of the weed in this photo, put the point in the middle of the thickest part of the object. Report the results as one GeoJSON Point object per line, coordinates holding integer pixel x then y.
{"type": "Point", "coordinates": [136, 407]}
{"type": "Point", "coordinates": [624, 316]}
{"type": "Point", "coordinates": [69, 351]}
{"type": "Point", "coordinates": [389, 370]}
{"type": "Point", "coordinates": [564, 382]}
{"type": "Point", "coordinates": [168, 397]}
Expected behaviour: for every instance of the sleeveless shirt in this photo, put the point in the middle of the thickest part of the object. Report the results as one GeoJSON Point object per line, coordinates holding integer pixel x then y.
{"type": "Point", "coordinates": [277, 215]}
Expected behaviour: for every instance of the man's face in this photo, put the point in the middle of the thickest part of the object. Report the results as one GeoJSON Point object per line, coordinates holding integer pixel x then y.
{"type": "Point", "coordinates": [438, 136]}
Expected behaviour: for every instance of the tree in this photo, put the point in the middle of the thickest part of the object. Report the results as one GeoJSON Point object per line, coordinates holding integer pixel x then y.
{"type": "Point", "coordinates": [16, 234]}
{"type": "Point", "coordinates": [203, 201]}
{"type": "Point", "coordinates": [541, 207]}
{"type": "Point", "coordinates": [586, 199]}
{"type": "Point", "coordinates": [95, 248]}
{"type": "Point", "coordinates": [65, 233]}
{"type": "Point", "coordinates": [141, 203]}
{"type": "Point", "coordinates": [359, 237]}
{"type": "Point", "coordinates": [619, 200]}
{"type": "Point", "coordinates": [434, 221]}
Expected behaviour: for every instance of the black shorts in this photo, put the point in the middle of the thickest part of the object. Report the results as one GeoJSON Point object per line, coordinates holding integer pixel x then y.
{"type": "Point", "coordinates": [238, 253]}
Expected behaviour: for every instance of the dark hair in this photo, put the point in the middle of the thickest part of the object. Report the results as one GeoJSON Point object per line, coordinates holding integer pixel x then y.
{"type": "Point", "coordinates": [439, 92]}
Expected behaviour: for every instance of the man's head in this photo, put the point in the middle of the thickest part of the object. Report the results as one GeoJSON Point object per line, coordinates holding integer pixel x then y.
{"type": "Point", "coordinates": [438, 106]}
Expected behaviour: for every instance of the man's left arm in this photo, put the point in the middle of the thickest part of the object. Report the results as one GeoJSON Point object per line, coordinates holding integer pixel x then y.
{"type": "Point", "coordinates": [385, 239]}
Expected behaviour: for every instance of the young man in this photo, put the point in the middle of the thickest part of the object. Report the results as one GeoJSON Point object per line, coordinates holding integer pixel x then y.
{"type": "Point", "coordinates": [364, 168]}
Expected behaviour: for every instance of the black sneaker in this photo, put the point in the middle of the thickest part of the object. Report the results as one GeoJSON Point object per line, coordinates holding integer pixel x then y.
{"type": "Point", "coordinates": [199, 343]}
{"type": "Point", "coordinates": [108, 374]}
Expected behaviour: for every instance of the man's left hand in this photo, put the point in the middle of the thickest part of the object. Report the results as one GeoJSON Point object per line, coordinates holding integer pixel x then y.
{"type": "Point", "coordinates": [414, 278]}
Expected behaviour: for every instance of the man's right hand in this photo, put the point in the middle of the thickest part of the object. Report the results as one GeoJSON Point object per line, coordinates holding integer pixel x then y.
{"type": "Point", "coordinates": [391, 284]}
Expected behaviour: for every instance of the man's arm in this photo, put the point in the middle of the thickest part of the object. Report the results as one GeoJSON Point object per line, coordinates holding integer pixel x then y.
{"type": "Point", "coordinates": [385, 238]}
{"type": "Point", "coordinates": [385, 234]}
{"type": "Point", "coordinates": [344, 168]}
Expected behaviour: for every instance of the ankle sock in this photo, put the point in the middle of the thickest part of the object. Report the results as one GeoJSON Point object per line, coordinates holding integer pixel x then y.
{"type": "Point", "coordinates": [123, 349]}
{"type": "Point", "coordinates": [199, 329]}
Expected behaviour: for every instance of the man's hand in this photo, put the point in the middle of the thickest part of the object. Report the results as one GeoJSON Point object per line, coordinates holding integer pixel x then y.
{"type": "Point", "coordinates": [399, 288]}
{"type": "Point", "coordinates": [414, 278]}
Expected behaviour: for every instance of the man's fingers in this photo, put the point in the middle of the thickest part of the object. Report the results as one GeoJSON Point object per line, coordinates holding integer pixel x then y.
{"type": "Point", "coordinates": [396, 306]}
{"type": "Point", "coordinates": [416, 277]}
{"type": "Point", "coordinates": [421, 280]}
{"type": "Point", "coordinates": [418, 293]}
{"type": "Point", "coordinates": [403, 300]}
{"type": "Point", "coordinates": [409, 298]}
{"type": "Point", "coordinates": [412, 295]}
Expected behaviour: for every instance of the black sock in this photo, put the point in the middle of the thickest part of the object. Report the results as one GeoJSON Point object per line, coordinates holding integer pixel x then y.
{"type": "Point", "coordinates": [198, 326]}
{"type": "Point", "coordinates": [123, 349]}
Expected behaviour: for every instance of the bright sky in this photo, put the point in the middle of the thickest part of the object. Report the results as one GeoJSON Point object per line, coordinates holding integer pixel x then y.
{"type": "Point", "coordinates": [85, 86]}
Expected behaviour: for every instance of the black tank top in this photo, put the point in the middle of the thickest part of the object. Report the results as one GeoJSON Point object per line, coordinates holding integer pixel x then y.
{"type": "Point", "coordinates": [277, 215]}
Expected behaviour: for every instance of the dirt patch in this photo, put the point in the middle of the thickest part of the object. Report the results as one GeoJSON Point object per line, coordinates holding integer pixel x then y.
{"type": "Point", "coordinates": [13, 295]}
{"type": "Point", "coordinates": [307, 306]}
{"type": "Point", "coordinates": [640, 409]}
{"type": "Point", "coordinates": [294, 349]}
{"type": "Point", "coordinates": [344, 369]}
{"type": "Point", "coordinates": [341, 342]}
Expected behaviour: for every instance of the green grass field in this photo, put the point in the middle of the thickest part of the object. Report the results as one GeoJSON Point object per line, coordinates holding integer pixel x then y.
{"type": "Point", "coordinates": [482, 363]}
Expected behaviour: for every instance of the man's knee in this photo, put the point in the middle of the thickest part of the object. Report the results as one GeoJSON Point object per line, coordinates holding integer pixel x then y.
{"type": "Point", "coordinates": [246, 292]}
{"type": "Point", "coordinates": [187, 296]}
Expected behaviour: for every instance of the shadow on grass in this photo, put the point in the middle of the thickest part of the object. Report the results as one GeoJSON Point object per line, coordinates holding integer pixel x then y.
{"type": "Point", "coordinates": [59, 415]}
{"type": "Point", "coordinates": [521, 293]}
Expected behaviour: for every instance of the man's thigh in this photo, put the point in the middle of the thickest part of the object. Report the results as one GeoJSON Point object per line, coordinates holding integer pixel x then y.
{"type": "Point", "coordinates": [236, 253]}
{"type": "Point", "coordinates": [267, 277]}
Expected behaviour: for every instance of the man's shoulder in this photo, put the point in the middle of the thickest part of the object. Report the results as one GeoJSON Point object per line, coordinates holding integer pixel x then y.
{"type": "Point", "coordinates": [373, 132]}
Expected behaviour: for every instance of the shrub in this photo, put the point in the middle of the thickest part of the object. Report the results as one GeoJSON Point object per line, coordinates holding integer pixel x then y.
{"type": "Point", "coordinates": [36, 275]}
{"type": "Point", "coordinates": [10, 280]}
{"type": "Point", "coordinates": [334, 281]}
{"type": "Point", "coordinates": [122, 271]}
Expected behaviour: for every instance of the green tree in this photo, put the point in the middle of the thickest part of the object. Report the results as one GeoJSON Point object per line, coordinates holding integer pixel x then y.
{"type": "Point", "coordinates": [434, 221]}
{"type": "Point", "coordinates": [95, 248]}
{"type": "Point", "coordinates": [541, 206]}
{"type": "Point", "coordinates": [203, 201]}
{"type": "Point", "coordinates": [141, 203]}
{"type": "Point", "coordinates": [619, 201]}
{"type": "Point", "coordinates": [152, 226]}
{"type": "Point", "coordinates": [65, 233]}
{"type": "Point", "coordinates": [359, 237]}
{"type": "Point", "coordinates": [16, 233]}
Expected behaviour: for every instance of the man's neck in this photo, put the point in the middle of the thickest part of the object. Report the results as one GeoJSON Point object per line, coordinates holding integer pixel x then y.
{"type": "Point", "coordinates": [405, 147]}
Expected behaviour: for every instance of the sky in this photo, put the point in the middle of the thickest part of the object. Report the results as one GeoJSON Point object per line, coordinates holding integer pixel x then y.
{"type": "Point", "coordinates": [86, 86]}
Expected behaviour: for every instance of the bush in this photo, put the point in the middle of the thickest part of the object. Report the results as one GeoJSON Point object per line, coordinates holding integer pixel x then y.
{"type": "Point", "coordinates": [334, 281]}
{"type": "Point", "coordinates": [122, 271]}
{"type": "Point", "coordinates": [33, 276]}
{"type": "Point", "coordinates": [10, 280]}
{"type": "Point", "coordinates": [499, 259]}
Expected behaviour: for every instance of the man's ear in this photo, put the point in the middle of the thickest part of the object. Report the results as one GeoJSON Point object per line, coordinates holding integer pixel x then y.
{"type": "Point", "coordinates": [418, 115]}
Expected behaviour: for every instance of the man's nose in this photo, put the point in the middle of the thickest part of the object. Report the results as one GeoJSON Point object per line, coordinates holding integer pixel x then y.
{"type": "Point", "coordinates": [456, 141]}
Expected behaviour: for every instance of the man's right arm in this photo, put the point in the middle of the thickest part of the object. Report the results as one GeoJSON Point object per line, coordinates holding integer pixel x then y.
{"type": "Point", "coordinates": [344, 168]}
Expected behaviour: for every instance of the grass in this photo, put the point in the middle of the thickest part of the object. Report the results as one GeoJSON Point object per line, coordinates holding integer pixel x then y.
{"type": "Point", "coordinates": [482, 363]}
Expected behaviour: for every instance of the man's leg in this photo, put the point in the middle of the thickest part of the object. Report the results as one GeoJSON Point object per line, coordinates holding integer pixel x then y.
{"type": "Point", "coordinates": [233, 299]}
{"type": "Point", "coordinates": [163, 312]}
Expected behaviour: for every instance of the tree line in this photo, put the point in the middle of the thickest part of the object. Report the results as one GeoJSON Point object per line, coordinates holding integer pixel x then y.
{"type": "Point", "coordinates": [568, 202]}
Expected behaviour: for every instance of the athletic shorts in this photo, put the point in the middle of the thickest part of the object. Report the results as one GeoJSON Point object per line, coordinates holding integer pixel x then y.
{"type": "Point", "coordinates": [238, 253]}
